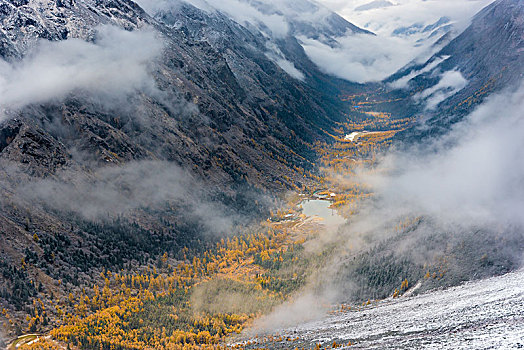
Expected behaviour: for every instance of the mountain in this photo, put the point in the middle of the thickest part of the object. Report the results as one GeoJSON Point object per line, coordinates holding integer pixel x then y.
{"type": "Point", "coordinates": [430, 32]}
{"type": "Point", "coordinates": [224, 31]}
{"type": "Point", "coordinates": [485, 58]}
{"type": "Point", "coordinates": [141, 137]}
{"type": "Point", "coordinates": [308, 18]}
{"type": "Point", "coordinates": [377, 4]}
{"type": "Point", "coordinates": [244, 81]}
{"type": "Point", "coordinates": [279, 30]}
{"type": "Point", "coordinates": [209, 131]}
{"type": "Point", "coordinates": [276, 20]}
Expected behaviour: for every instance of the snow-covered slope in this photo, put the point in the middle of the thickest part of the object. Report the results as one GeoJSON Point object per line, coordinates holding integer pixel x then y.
{"type": "Point", "coordinates": [276, 19]}
{"type": "Point", "coordinates": [487, 314]}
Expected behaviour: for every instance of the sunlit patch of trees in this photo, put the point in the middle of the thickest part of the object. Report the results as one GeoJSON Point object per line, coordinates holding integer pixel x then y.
{"type": "Point", "coordinates": [152, 309]}
{"type": "Point", "coordinates": [477, 96]}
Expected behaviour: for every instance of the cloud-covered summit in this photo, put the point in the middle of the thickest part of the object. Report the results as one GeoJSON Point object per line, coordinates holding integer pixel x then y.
{"type": "Point", "coordinates": [365, 59]}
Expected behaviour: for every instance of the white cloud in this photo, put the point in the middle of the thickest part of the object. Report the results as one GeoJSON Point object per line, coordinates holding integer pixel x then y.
{"type": "Point", "coordinates": [406, 12]}
{"type": "Point", "coordinates": [450, 83]}
{"type": "Point", "coordinates": [116, 63]}
{"type": "Point", "coordinates": [375, 58]}
{"type": "Point", "coordinates": [276, 55]}
{"type": "Point", "coordinates": [112, 191]}
{"type": "Point", "coordinates": [472, 176]}
{"type": "Point", "coordinates": [290, 69]}
{"type": "Point", "coordinates": [360, 58]}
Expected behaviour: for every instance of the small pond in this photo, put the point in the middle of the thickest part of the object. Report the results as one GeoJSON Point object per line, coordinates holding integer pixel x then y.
{"type": "Point", "coordinates": [320, 208]}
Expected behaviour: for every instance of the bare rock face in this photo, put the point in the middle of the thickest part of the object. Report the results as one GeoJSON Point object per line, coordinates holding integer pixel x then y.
{"type": "Point", "coordinates": [37, 151]}
{"type": "Point", "coordinates": [8, 134]}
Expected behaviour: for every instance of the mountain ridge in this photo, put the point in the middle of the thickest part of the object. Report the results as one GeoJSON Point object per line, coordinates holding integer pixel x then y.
{"type": "Point", "coordinates": [488, 58]}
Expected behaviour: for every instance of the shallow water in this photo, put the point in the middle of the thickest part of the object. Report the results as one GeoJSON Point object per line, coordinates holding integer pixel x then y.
{"type": "Point", "coordinates": [321, 209]}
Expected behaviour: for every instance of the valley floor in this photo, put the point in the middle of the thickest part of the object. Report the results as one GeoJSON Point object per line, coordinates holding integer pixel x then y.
{"type": "Point", "coordinates": [486, 314]}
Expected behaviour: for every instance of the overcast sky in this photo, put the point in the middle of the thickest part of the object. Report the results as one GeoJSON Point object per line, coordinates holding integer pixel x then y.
{"type": "Point", "coordinates": [384, 20]}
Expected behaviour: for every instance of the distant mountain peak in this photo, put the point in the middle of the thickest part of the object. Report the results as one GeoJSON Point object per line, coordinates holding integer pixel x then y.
{"type": "Point", "coordinates": [282, 18]}
{"type": "Point", "coordinates": [421, 28]}
{"type": "Point", "coordinates": [374, 5]}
